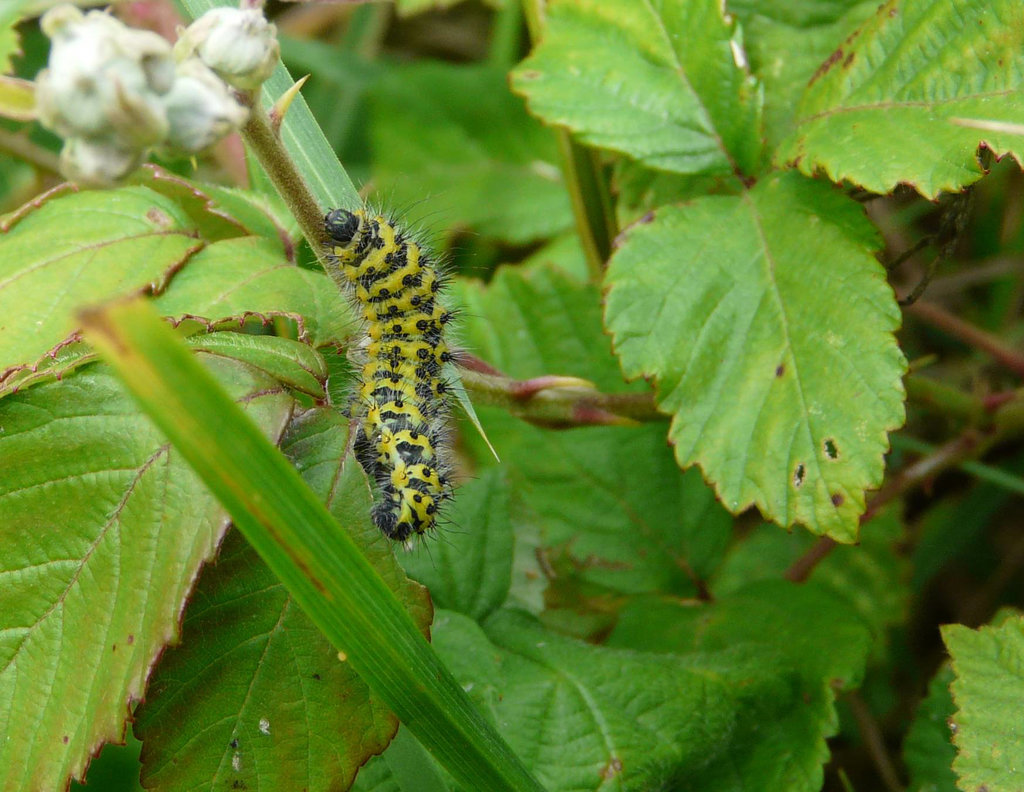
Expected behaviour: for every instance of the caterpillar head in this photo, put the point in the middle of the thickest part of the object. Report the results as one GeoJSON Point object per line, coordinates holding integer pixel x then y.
{"type": "Point", "coordinates": [342, 225]}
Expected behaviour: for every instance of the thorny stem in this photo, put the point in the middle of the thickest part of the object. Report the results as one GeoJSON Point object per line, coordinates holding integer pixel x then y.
{"type": "Point", "coordinates": [874, 741]}
{"type": "Point", "coordinates": [270, 151]}
{"type": "Point", "coordinates": [973, 336]}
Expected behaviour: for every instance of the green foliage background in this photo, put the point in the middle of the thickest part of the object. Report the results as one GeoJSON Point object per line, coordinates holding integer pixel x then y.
{"type": "Point", "coordinates": [688, 209]}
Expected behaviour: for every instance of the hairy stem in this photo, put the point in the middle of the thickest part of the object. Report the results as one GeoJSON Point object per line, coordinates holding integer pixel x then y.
{"type": "Point", "coordinates": [558, 402]}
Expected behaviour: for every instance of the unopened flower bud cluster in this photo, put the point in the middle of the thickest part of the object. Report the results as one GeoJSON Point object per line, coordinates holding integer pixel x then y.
{"type": "Point", "coordinates": [113, 92]}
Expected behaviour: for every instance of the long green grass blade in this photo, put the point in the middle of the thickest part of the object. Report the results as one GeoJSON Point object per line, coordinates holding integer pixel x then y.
{"type": "Point", "coordinates": [300, 541]}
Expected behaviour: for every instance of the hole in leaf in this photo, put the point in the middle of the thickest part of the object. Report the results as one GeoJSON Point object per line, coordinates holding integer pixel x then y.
{"type": "Point", "coordinates": [798, 476]}
{"type": "Point", "coordinates": [830, 449]}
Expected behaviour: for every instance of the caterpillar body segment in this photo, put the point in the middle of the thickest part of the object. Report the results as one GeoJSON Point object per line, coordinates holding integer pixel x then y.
{"type": "Point", "coordinates": [401, 405]}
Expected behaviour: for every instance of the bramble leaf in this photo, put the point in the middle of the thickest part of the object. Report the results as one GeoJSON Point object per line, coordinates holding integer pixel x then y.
{"type": "Point", "coordinates": [588, 490]}
{"type": "Point", "coordinates": [887, 106]}
{"type": "Point", "coordinates": [76, 248]}
{"type": "Point", "coordinates": [659, 82]}
{"type": "Point", "coordinates": [104, 530]}
{"type": "Point", "coordinates": [771, 345]}
{"type": "Point", "coordinates": [989, 686]}
{"type": "Point", "coordinates": [249, 275]}
{"type": "Point", "coordinates": [288, 714]}
{"type": "Point", "coordinates": [928, 748]}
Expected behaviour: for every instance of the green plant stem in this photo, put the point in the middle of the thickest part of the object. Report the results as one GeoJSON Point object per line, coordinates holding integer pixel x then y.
{"type": "Point", "coordinates": [559, 402]}
{"type": "Point", "coordinates": [303, 545]}
{"type": "Point", "coordinates": [947, 322]}
{"type": "Point", "coordinates": [259, 134]}
{"type": "Point", "coordinates": [506, 35]}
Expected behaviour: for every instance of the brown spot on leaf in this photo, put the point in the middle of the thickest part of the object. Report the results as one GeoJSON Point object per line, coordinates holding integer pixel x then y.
{"type": "Point", "coordinates": [131, 639]}
{"type": "Point", "coordinates": [780, 369]}
{"type": "Point", "coordinates": [830, 61]}
{"type": "Point", "coordinates": [837, 500]}
{"type": "Point", "coordinates": [64, 739]}
{"type": "Point", "coordinates": [159, 218]}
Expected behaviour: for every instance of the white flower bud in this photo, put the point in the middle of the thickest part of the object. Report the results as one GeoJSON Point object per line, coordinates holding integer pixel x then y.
{"type": "Point", "coordinates": [104, 80]}
{"type": "Point", "coordinates": [99, 163]}
{"type": "Point", "coordinates": [240, 45]}
{"type": "Point", "coordinates": [200, 108]}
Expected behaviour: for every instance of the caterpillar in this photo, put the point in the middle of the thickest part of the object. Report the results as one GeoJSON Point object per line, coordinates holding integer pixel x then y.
{"type": "Point", "coordinates": [401, 404]}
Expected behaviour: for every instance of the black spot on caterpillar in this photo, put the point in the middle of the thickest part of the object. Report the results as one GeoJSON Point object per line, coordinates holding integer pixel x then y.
{"type": "Point", "coordinates": [401, 405]}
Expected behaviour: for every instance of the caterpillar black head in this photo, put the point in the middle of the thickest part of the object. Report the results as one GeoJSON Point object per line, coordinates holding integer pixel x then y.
{"type": "Point", "coordinates": [341, 225]}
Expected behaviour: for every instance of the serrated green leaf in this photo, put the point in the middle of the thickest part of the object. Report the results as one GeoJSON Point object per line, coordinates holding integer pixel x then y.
{"type": "Point", "coordinates": [928, 749]}
{"type": "Point", "coordinates": [104, 529]}
{"type": "Point", "coordinates": [288, 714]}
{"type": "Point", "coordinates": [9, 43]}
{"type": "Point", "coordinates": [303, 544]}
{"type": "Point", "coordinates": [469, 568]}
{"type": "Point", "coordinates": [883, 108]}
{"type": "Point", "coordinates": [457, 136]}
{"type": "Point", "coordinates": [987, 728]}
{"type": "Point", "coordinates": [291, 363]}
{"type": "Point", "coordinates": [212, 221]}
{"type": "Point", "coordinates": [78, 248]}
{"type": "Point", "coordinates": [249, 275]}
{"type": "Point", "coordinates": [772, 346]}
{"type": "Point", "coordinates": [588, 490]}
{"type": "Point", "coordinates": [635, 720]}
{"type": "Point", "coordinates": [656, 81]}
{"type": "Point", "coordinates": [799, 644]}
{"type": "Point", "coordinates": [786, 43]}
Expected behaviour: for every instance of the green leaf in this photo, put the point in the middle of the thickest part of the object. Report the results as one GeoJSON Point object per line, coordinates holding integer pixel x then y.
{"type": "Point", "coordinates": [588, 490]}
{"type": "Point", "coordinates": [302, 543]}
{"type": "Point", "coordinates": [784, 401]}
{"type": "Point", "coordinates": [786, 43]}
{"type": "Point", "coordinates": [634, 720]}
{"type": "Point", "coordinates": [287, 714]}
{"type": "Point", "coordinates": [658, 82]}
{"type": "Point", "coordinates": [928, 748]}
{"type": "Point", "coordinates": [469, 569]}
{"type": "Point", "coordinates": [104, 529]}
{"type": "Point", "coordinates": [9, 43]}
{"type": "Point", "coordinates": [76, 248]}
{"type": "Point", "coordinates": [456, 135]}
{"type": "Point", "coordinates": [989, 686]}
{"type": "Point", "coordinates": [797, 644]}
{"type": "Point", "coordinates": [290, 362]}
{"type": "Point", "coordinates": [873, 576]}
{"type": "Point", "coordinates": [883, 109]}
{"type": "Point", "coordinates": [249, 275]}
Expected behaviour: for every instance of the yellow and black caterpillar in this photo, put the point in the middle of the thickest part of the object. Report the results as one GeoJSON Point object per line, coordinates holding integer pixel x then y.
{"type": "Point", "coordinates": [402, 401]}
